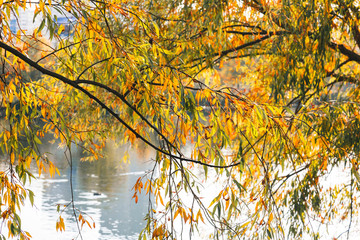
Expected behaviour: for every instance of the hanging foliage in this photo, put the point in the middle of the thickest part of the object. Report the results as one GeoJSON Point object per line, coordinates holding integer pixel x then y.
{"type": "Point", "coordinates": [265, 93]}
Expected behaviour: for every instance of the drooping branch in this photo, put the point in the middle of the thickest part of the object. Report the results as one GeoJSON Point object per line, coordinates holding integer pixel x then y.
{"type": "Point", "coordinates": [87, 68]}
{"type": "Point", "coordinates": [353, 56]}
{"type": "Point", "coordinates": [76, 85]}
{"type": "Point", "coordinates": [245, 45]}
{"type": "Point", "coordinates": [123, 99]}
{"type": "Point", "coordinates": [62, 48]}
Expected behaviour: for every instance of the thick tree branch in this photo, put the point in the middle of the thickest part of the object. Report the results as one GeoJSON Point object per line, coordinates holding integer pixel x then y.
{"type": "Point", "coordinates": [347, 52]}
{"type": "Point", "coordinates": [256, 33]}
{"type": "Point", "coordinates": [75, 84]}
{"type": "Point", "coordinates": [123, 99]}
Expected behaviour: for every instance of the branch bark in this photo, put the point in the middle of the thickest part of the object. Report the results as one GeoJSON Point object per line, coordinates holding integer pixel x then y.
{"type": "Point", "coordinates": [75, 84]}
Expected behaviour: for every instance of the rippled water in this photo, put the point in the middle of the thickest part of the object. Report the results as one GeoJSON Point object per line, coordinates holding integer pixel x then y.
{"type": "Point", "coordinates": [102, 189]}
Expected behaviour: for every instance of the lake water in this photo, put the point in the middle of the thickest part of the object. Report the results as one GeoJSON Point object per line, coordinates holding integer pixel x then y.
{"type": "Point", "coordinates": [102, 189]}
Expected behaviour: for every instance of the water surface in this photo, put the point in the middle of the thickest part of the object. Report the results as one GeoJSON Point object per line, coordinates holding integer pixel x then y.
{"type": "Point", "coordinates": [102, 190]}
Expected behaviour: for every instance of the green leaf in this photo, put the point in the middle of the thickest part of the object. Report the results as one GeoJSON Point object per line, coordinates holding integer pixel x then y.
{"type": "Point", "coordinates": [17, 220]}
{"type": "Point", "coordinates": [269, 233]}
{"type": "Point", "coordinates": [37, 140]}
{"type": "Point", "coordinates": [240, 187]}
{"type": "Point", "coordinates": [31, 197]}
{"type": "Point", "coordinates": [42, 24]}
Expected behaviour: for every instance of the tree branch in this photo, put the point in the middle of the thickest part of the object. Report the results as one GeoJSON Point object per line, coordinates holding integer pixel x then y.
{"type": "Point", "coordinates": [103, 105]}
{"type": "Point", "coordinates": [225, 52]}
{"type": "Point", "coordinates": [350, 54]}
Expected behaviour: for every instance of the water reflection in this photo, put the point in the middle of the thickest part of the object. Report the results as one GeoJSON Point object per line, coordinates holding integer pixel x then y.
{"type": "Point", "coordinates": [102, 190]}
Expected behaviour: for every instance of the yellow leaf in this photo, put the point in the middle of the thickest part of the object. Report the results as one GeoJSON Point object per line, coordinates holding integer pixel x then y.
{"type": "Point", "coordinates": [177, 213]}
{"type": "Point", "coordinates": [161, 200]}
{"type": "Point", "coordinates": [158, 232]}
{"type": "Point", "coordinates": [12, 157]}
{"type": "Point", "coordinates": [61, 29]}
{"type": "Point", "coordinates": [271, 217]}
